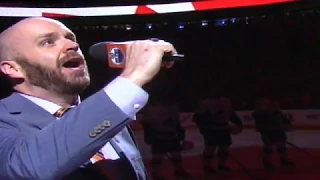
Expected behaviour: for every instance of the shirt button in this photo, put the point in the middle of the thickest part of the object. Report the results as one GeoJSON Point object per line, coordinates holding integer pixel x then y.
{"type": "Point", "coordinates": [136, 106]}
{"type": "Point", "coordinates": [116, 140]}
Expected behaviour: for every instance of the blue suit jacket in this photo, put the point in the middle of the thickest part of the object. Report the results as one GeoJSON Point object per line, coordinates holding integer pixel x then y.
{"type": "Point", "coordinates": [34, 145]}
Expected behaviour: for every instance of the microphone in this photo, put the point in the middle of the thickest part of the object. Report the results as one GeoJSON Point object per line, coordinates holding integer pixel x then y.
{"type": "Point", "coordinates": [115, 54]}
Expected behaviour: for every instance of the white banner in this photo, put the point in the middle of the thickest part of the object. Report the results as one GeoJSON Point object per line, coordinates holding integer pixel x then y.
{"type": "Point", "coordinates": [134, 9]}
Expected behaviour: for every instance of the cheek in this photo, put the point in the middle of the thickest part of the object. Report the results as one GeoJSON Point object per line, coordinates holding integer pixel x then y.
{"type": "Point", "coordinates": [45, 58]}
{"type": "Point", "coordinates": [49, 60]}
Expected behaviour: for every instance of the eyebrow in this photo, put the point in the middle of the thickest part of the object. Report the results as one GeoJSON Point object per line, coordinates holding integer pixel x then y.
{"type": "Point", "coordinates": [46, 35]}
{"type": "Point", "coordinates": [68, 35]}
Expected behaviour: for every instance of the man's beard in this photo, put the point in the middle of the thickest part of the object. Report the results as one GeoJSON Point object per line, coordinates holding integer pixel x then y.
{"type": "Point", "coordinates": [52, 79]}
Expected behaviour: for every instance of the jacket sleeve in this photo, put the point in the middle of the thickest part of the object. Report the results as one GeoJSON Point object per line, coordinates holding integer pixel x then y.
{"type": "Point", "coordinates": [58, 149]}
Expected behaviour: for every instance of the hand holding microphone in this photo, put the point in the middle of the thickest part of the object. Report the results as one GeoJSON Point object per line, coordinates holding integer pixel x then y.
{"type": "Point", "coordinates": [141, 60]}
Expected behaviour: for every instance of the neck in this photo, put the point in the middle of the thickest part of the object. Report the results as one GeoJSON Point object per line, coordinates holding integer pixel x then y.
{"type": "Point", "coordinates": [63, 100]}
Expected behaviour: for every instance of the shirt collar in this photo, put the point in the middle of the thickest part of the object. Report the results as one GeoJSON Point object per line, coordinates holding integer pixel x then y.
{"type": "Point", "coordinates": [46, 105]}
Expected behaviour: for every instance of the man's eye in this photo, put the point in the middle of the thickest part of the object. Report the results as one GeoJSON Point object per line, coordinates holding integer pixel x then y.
{"type": "Point", "coordinates": [47, 42]}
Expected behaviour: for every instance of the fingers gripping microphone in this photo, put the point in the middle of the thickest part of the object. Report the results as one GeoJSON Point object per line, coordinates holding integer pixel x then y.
{"type": "Point", "coordinates": [115, 54]}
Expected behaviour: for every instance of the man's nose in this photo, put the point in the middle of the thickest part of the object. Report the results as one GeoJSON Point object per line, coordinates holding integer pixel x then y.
{"type": "Point", "coordinates": [71, 45]}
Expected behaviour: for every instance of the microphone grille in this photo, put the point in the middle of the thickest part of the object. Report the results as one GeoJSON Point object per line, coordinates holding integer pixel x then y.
{"type": "Point", "coordinates": [99, 51]}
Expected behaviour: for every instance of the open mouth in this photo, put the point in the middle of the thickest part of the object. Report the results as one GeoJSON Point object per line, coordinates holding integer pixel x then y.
{"type": "Point", "coordinates": [73, 63]}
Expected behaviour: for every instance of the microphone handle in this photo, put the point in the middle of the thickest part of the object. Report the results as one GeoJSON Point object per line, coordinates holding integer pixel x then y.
{"type": "Point", "coordinates": [172, 57]}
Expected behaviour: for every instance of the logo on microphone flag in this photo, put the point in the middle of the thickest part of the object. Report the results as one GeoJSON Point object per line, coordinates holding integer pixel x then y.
{"type": "Point", "coordinates": [116, 56]}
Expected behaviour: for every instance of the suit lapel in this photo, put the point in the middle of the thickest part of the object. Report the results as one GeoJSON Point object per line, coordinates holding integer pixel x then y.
{"type": "Point", "coordinates": [128, 134]}
{"type": "Point", "coordinates": [132, 135]}
{"type": "Point", "coordinates": [115, 146]}
{"type": "Point", "coordinates": [27, 111]}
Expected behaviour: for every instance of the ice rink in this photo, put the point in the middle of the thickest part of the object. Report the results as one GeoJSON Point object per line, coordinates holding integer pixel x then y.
{"type": "Point", "coordinates": [246, 150]}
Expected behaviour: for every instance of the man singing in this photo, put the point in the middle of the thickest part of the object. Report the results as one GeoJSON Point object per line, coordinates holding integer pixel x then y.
{"type": "Point", "coordinates": [45, 132]}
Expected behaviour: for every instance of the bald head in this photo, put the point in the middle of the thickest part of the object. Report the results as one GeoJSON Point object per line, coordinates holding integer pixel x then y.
{"type": "Point", "coordinates": [8, 40]}
{"type": "Point", "coordinates": [11, 38]}
{"type": "Point", "coordinates": [36, 52]}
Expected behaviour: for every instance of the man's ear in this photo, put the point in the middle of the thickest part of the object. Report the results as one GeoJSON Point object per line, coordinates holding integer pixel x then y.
{"type": "Point", "coordinates": [11, 69]}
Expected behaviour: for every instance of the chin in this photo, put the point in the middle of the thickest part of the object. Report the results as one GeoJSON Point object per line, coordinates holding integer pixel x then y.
{"type": "Point", "coordinates": [76, 88]}
{"type": "Point", "coordinates": [79, 81]}
{"type": "Point", "coordinates": [78, 77]}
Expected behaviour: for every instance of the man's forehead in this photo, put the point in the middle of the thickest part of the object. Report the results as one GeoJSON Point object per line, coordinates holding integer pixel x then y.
{"type": "Point", "coordinates": [38, 26]}
{"type": "Point", "coordinates": [40, 21]}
